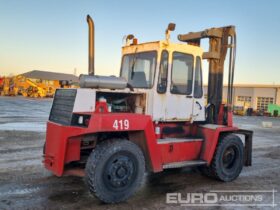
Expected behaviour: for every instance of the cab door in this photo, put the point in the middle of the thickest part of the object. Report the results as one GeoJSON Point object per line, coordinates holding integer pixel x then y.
{"type": "Point", "coordinates": [179, 106]}
{"type": "Point", "coordinates": [160, 93]}
{"type": "Point", "coordinates": [199, 101]}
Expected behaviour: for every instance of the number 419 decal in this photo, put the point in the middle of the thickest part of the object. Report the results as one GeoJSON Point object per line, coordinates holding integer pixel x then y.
{"type": "Point", "coordinates": [121, 124]}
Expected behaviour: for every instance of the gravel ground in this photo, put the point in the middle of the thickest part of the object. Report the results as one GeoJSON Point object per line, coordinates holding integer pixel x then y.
{"type": "Point", "coordinates": [25, 184]}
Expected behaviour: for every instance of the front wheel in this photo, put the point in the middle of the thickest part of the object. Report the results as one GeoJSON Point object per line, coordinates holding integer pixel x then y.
{"type": "Point", "coordinates": [114, 170]}
{"type": "Point", "coordinates": [228, 159]}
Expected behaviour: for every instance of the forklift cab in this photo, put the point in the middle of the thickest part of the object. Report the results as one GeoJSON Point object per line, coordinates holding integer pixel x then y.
{"type": "Point", "coordinates": [171, 73]}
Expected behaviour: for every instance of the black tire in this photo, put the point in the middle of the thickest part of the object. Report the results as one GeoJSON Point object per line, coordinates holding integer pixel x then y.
{"type": "Point", "coordinates": [207, 171]}
{"type": "Point", "coordinates": [228, 159]}
{"type": "Point", "coordinates": [115, 170]}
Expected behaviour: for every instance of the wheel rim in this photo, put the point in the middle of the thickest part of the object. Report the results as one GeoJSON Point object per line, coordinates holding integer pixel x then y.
{"type": "Point", "coordinates": [229, 157]}
{"type": "Point", "coordinates": [119, 172]}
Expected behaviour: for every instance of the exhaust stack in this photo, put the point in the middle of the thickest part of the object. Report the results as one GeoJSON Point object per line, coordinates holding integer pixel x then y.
{"type": "Point", "coordinates": [91, 80]}
{"type": "Point", "coordinates": [91, 45]}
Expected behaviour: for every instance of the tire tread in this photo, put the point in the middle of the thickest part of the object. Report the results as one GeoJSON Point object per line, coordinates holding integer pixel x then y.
{"type": "Point", "coordinates": [94, 159]}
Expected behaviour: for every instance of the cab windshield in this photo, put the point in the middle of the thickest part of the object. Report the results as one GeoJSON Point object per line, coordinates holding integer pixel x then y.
{"type": "Point", "coordinates": [139, 69]}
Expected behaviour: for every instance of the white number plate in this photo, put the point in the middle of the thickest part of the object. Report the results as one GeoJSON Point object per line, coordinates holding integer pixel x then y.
{"type": "Point", "coordinates": [121, 124]}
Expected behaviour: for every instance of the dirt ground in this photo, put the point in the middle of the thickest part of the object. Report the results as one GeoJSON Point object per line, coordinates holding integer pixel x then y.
{"type": "Point", "coordinates": [25, 184]}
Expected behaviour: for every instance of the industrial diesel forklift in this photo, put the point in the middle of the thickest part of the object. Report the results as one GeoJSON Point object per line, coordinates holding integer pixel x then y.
{"type": "Point", "coordinates": [151, 118]}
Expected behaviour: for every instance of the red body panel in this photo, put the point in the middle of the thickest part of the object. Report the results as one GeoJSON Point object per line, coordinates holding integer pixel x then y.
{"type": "Point", "coordinates": [59, 149]}
{"type": "Point", "coordinates": [211, 137]}
{"type": "Point", "coordinates": [177, 152]}
{"type": "Point", "coordinates": [73, 150]}
{"type": "Point", "coordinates": [63, 143]}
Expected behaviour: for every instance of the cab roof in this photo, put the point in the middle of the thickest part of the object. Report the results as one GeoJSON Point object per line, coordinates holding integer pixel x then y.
{"type": "Point", "coordinates": [163, 45]}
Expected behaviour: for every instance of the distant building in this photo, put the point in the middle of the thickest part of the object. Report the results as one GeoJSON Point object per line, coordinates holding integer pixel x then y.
{"type": "Point", "coordinates": [253, 96]}
{"type": "Point", "coordinates": [51, 76]}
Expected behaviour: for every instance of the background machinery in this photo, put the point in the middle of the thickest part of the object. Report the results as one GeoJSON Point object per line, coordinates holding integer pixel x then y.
{"type": "Point", "coordinates": [7, 87]}
{"type": "Point", "coordinates": [4, 86]}
{"type": "Point", "coordinates": [151, 118]}
{"type": "Point", "coordinates": [27, 87]}
{"type": "Point", "coordinates": [34, 90]}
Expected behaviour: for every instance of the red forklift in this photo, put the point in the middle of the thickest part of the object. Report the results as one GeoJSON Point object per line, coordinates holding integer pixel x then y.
{"type": "Point", "coordinates": [151, 118]}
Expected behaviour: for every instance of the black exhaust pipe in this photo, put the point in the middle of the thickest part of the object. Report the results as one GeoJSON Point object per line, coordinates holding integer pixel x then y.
{"type": "Point", "coordinates": [92, 81]}
{"type": "Point", "coordinates": [90, 46]}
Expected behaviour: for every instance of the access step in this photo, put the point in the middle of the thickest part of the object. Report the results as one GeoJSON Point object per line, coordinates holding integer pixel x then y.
{"type": "Point", "coordinates": [177, 140]}
{"type": "Point", "coordinates": [184, 164]}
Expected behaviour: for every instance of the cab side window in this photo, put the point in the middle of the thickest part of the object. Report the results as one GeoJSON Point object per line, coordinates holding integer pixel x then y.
{"type": "Point", "coordinates": [182, 73]}
{"type": "Point", "coordinates": [163, 69]}
{"type": "Point", "coordinates": [198, 79]}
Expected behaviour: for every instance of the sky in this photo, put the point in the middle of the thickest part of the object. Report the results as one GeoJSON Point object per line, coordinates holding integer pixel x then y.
{"type": "Point", "coordinates": [53, 35]}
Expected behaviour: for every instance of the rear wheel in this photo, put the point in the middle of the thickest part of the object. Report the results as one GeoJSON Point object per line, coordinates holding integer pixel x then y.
{"type": "Point", "coordinates": [114, 170]}
{"type": "Point", "coordinates": [228, 159]}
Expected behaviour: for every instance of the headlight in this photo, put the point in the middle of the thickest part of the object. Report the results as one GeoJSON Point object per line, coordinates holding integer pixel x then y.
{"type": "Point", "coordinates": [80, 120]}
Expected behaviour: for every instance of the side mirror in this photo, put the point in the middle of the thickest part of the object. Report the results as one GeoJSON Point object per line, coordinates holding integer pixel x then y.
{"type": "Point", "coordinates": [130, 36]}
{"type": "Point", "coordinates": [171, 27]}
